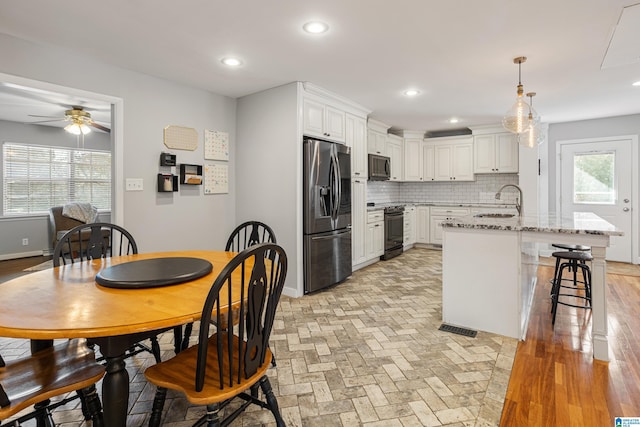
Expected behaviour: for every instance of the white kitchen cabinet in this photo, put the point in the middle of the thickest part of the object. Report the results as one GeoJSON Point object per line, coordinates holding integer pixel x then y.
{"type": "Point", "coordinates": [422, 224]}
{"type": "Point", "coordinates": [454, 160]}
{"type": "Point", "coordinates": [374, 241]}
{"type": "Point", "coordinates": [394, 152]}
{"type": "Point", "coordinates": [377, 137]}
{"type": "Point", "coordinates": [440, 214]}
{"type": "Point", "coordinates": [356, 138]}
{"type": "Point", "coordinates": [495, 153]}
{"type": "Point", "coordinates": [409, 226]}
{"type": "Point", "coordinates": [323, 121]}
{"type": "Point", "coordinates": [418, 160]}
{"type": "Point", "coordinates": [376, 143]}
{"type": "Point", "coordinates": [359, 220]}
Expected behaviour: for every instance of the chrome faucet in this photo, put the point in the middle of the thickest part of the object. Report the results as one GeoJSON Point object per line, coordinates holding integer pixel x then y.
{"type": "Point", "coordinates": [519, 202]}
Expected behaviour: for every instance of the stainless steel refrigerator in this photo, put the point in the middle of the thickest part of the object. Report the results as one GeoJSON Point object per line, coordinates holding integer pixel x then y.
{"type": "Point", "coordinates": [327, 213]}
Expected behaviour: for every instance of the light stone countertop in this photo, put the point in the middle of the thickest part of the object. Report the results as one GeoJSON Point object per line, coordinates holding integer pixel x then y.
{"type": "Point", "coordinates": [580, 223]}
{"type": "Point", "coordinates": [379, 206]}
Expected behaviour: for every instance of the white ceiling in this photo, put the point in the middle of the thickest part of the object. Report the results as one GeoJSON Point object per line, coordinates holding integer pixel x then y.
{"type": "Point", "coordinates": [458, 53]}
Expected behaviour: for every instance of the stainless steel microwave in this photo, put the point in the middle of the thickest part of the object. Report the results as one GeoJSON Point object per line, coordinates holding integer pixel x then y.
{"type": "Point", "coordinates": [379, 168]}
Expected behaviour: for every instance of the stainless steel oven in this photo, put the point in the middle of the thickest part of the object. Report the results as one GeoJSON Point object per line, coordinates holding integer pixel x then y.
{"type": "Point", "coordinates": [393, 231]}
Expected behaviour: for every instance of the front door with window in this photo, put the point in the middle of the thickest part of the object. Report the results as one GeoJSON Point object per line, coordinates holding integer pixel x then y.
{"type": "Point", "coordinates": [596, 176]}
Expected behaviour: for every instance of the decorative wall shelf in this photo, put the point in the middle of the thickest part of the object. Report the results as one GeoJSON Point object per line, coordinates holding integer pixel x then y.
{"type": "Point", "coordinates": [167, 183]}
{"type": "Point", "coordinates": [190, 174]}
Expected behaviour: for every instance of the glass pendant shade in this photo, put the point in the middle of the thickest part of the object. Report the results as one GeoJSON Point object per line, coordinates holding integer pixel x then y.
{"type": "Point", "coordinates": [516, 119]}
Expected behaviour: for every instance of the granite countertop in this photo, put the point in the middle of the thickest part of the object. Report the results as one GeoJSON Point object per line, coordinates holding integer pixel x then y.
{"type": "Point", "coordinates": [580, 223]}
{"type": "Point", "coordinates": [437, 204]}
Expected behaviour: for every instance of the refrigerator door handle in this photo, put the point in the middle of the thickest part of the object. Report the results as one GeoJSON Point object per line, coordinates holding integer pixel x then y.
{"type": "Point", "coordinates": [334, 188]}
{"type": "Point", "coordinates": [333, 236]}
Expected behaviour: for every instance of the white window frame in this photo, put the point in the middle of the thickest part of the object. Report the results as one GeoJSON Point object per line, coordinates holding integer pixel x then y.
{"type": "Point", "coordinates": [47, 169]}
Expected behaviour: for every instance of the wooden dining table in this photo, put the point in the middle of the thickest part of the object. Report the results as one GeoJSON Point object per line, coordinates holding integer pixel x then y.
{"type": "Point", "coordinates": [67, 302]}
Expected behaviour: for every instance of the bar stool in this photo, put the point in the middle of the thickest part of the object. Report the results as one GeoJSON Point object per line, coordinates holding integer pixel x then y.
{"type": "Point", "coordinates": [575, 260]}
{"type": "Point", "coordinates": [558, 257]}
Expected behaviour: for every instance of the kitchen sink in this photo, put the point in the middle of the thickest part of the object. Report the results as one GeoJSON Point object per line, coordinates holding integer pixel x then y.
{"type": "Point", "coordinates": [494, 215]}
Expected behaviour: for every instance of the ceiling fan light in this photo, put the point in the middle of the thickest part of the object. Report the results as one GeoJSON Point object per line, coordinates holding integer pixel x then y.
{"type": "Point", "coordinates": [73, 128]}
{"type": "Point", "coordinates": [77, 128]}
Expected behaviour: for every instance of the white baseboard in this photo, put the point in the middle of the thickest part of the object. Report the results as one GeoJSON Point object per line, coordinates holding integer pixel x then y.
{"type": "Point", "coordinates": [21, 255]}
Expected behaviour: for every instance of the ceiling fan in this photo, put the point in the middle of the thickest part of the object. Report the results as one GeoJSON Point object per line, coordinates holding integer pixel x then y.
{"type": "Point", "coordinates": [80, 121]}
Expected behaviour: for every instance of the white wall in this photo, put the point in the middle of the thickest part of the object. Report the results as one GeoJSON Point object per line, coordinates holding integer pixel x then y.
{"type": "Point", "coordinates": [269, 182]}
{"type": "Point", "coordinates": [183, 220]}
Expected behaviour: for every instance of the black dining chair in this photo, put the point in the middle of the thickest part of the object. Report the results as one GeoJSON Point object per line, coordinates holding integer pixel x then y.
{"type": "Point", "coordinates": [102, 240]}
{"type": "Point", "coordinates": [247, 234]}
{"type": "Point", "coordinates": [50, 372]}
{"type": "Point", "coordinates": [231, 362]}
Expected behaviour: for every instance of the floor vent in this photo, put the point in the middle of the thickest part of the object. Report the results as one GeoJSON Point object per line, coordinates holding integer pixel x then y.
{"type": "Point", "coordinates": [457, 330]}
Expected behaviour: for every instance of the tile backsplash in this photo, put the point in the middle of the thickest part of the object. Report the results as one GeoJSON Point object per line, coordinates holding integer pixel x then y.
{"type": "Point", "coordinates": [482, 190]}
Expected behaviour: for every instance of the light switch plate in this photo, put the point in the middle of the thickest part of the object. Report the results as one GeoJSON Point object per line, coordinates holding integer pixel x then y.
{"type": "Point", "coordinates": [134, 184]}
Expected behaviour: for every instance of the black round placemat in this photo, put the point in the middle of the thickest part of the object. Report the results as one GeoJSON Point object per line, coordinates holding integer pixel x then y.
{"type": "Point", "coordinates": [151, 273]}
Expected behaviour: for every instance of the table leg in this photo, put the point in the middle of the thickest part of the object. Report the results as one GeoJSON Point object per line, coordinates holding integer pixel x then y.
{"type": "Point", "coordinates": [115, 392]}
{"type": "Point", "coordinates": [599, 322]}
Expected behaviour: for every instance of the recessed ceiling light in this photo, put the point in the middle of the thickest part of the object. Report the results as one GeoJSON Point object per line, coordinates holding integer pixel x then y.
{"type": "Point", "coordinates": [636, 83]}
{"type": "Point", "coordinates": [411, 92]}
{"type": "Point", "coordinates": [231, 62]}
{"type": "Point", "coordinates": [453, 120]}
{"type": "Point", "coordinates": [315, 27]}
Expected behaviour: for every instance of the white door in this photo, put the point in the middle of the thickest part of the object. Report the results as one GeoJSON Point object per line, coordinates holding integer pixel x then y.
{"type": "Point", "coordinates": [596, 176]}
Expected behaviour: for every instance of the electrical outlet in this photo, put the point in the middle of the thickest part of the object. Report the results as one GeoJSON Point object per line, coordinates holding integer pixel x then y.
{"type": "Point", "coordinates": [134, 184]}
{"type": "Point", "coordinates": [25, 242]}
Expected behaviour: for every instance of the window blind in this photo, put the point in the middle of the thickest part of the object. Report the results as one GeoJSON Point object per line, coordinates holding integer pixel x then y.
{"type": "Point", "coordinates": [37, 177]}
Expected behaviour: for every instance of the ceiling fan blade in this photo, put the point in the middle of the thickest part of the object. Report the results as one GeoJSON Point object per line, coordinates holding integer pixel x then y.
{"type": "Point", "coordinates": [45, 121]}
{"type": "Point", "coordinates": [102, 128]}
{"type": "Point", "coordinates": [46, 117]}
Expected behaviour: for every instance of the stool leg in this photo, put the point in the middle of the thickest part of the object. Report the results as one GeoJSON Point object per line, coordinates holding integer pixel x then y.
{"type": "Point", "coordinates": [555, 273]}
{"type": "Point", "coordinates": [554, 294]}
{"type": "Point", "coordinates": [586, 274]}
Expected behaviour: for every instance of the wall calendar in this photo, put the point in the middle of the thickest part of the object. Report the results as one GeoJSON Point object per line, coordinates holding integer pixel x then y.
{"type": "Point", "coordinates": [216, 179]}
{"type": "Point", "coordinates": [216, 145]}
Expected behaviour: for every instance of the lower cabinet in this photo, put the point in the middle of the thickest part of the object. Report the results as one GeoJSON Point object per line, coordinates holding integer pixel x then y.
{"type": "Point", "coordinates": [374, 240]}
{"type": "Point", "coordinates": [440, 214]}
{"type": "Point", "coordinates": [358, 221]}
{"type": "Point", "coordinates": [422, 224]}
{"type": "Point", "coordinates": [409, 225]}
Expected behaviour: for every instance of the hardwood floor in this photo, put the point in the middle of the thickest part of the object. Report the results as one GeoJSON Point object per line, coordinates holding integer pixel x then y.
{"type": "Point", "coordinates": [15, 267]}
{"type": "Point", "coordinates": [556, 382]}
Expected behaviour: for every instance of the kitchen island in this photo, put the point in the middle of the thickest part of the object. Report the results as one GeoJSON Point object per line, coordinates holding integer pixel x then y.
{"type": "Point", "coordinates": [489, 269]}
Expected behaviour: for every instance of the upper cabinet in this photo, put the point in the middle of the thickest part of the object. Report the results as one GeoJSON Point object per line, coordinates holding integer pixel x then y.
{"type": "Point", "coordinates": [356, 138]}
{"type": "Point", "coordinates": [418, 160]}
{"type": "Point", "coordinates": [453, 158]}
{"type": "Point", "coordinates": [376, 137]}
{"type": "Point", "coordinates": [496, 153]}
{"type": "Point", "coordinates": [323, 121]}
{"type": "Point", "coordinates": [395, 153]}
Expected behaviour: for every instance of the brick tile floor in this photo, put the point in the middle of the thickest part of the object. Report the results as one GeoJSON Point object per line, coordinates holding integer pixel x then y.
{"type": "Point", "coordinates": [366, 352]}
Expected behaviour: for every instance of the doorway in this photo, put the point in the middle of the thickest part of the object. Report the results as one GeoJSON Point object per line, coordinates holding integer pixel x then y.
{"type": "Point", "coordinates": [600, 175]}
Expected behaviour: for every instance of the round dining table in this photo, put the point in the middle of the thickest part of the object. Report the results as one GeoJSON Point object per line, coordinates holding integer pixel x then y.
{"type": "Point", "coordinates": [67, 302]}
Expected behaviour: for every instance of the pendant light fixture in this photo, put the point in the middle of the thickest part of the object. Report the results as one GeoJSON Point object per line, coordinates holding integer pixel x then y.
{"type": "Point", "coordinates": [534, 135]}
{"type": "Point", "coordinates": [516, 119]}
